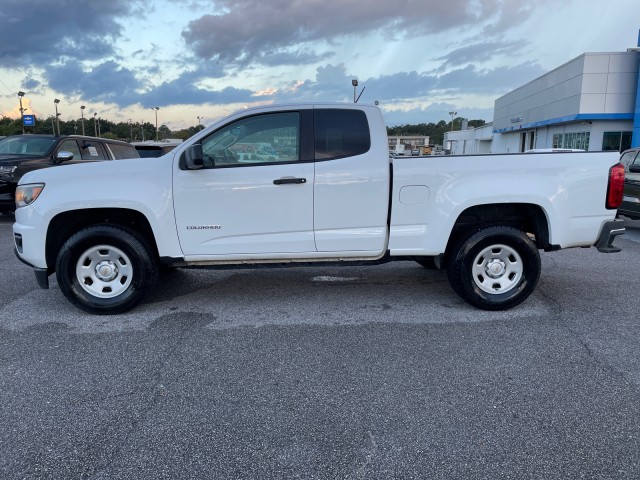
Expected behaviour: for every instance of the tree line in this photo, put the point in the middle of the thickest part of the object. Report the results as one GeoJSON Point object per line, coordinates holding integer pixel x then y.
{"type": "Point", "coordinates": [129, 132]}
{"type": "Point", "coordinates": [137, 131]}
{"type": "Point", "coordinates": [435, 131]}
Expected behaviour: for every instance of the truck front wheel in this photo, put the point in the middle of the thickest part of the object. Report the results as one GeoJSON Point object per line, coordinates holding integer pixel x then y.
{"type": "Point", "coordinates": [495, 268]}
{"type": "Point", "coordinates": [106, 269]}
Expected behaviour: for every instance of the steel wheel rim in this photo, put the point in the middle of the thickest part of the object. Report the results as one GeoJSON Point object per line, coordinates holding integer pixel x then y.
{"type": "Point", "coordinates": [497, 269]}
{"type": "Point", "coordinates": [104, 271]}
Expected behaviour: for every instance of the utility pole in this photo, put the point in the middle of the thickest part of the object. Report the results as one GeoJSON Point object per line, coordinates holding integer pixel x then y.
{"type": "Point", "coordinates": [82, 107]}
{"type": "Point", "coordinates": [20, 95]}
{"type": "Point", "coordinates": [56, 102]}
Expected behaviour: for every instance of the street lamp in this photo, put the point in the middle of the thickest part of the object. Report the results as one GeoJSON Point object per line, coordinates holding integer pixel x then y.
{"type": "Point", "coordinates": [199, 120]}
{"type": "Point", "coordinates": [453, 114]}
{"type": "Point", "coordinates": [131, 129]}
{"type": "Point", "coordinates": [354, 82]}
{"type": "Point", "coordinates": [156, 109]}
{"type": "Point", "coordinates": [82, 107]}
{"type": "Point", "coordinates": [56, 102]}
{"type": "Point", "coordinates": [95, 124]}
{"type": "Point", "coordinates": [20, 95]}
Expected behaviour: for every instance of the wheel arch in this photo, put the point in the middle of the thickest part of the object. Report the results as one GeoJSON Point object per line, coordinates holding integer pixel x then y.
{"type": "Point", "coordinates": [529, 218]}
{"type": "Point", "coordinates": [65, 224]}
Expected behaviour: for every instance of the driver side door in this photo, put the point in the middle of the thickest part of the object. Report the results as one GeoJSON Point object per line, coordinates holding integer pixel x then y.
{"type": "Point", "coordinates": [254, 194]}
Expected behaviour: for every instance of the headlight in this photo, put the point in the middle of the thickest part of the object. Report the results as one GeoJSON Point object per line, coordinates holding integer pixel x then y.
{"type": "Point", "coordinates": [5, 170]}
{"type": "Point", "coordinates": [27, 194]}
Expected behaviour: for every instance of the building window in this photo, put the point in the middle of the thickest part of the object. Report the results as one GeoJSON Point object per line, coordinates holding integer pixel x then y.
{"type": "Point", "coordinates": [576, 140]}
{"type": "Point", "coordinates": [619, 141]}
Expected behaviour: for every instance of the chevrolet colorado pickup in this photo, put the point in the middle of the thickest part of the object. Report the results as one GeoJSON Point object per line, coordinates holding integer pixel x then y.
{"type": "Point", "coordinates": [308, 184]}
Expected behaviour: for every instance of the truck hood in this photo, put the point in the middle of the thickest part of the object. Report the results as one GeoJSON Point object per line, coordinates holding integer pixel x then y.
{"type": "Point", "coordinates": [99, 173]}
{"type": "Point", "coordinates": [10, 160]}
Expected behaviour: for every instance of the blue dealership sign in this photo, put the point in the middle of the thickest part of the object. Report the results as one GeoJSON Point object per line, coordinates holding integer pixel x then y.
{"type": "Point", "coordinates": [29, 120]}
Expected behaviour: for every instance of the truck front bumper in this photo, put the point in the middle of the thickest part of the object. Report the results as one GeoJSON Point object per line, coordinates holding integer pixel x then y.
{"type": "Point", "coordinates": [608, 232]}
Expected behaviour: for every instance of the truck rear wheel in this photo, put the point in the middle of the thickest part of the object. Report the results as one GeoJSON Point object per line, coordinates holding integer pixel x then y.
{"type": "Point", "coordinates": [495, 268]}
{"type": "Point", "coordinates": [106, 269]}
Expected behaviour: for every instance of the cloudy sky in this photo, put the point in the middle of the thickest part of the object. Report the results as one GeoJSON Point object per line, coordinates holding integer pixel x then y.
{"type": "Point", "coordinates": [419, 59]}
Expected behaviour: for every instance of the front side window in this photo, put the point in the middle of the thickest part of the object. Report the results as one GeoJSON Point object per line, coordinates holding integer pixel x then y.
{"type": "Point", "coordinates": [256, 140]}
{"type": "Point", "coordinates": [70, 146]}
{"type": "Point", "coordinates": [340, 133]}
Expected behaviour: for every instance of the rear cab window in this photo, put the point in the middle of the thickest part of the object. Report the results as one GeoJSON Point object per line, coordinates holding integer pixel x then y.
{"type": "Point", "coordinates": [340, 133]}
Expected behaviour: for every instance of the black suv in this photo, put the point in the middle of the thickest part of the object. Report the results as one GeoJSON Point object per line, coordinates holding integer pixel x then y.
{"type": "Point", "coordinates": [20, 154]}
{"type": "Point", "coordinates": [631, 198]}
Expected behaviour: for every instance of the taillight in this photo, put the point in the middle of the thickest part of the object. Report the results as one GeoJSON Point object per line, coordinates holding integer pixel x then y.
{"type": "Point", "coordinates": [615, 187]}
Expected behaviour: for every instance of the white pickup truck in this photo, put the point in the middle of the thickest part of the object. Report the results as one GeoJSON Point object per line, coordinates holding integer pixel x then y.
{"type": "Point", "coordinates": [310, 184]}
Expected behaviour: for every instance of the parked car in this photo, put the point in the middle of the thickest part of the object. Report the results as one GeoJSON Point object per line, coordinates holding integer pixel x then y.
{"type": "Point", "coordinates": [151, 148]}
{"type": "Point", "coordinates": [630, 206]}
{"type": "Point", "coordinates": [20, 154]}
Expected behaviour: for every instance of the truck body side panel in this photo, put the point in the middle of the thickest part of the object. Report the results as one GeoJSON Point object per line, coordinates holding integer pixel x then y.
{"type": "Point", "coordinates": [569, 187]}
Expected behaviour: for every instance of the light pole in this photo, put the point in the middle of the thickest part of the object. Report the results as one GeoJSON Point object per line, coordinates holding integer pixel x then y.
{"type": "Point", "coordinates": [131, 129]}
{"type": "Point", "coordinates": [20, 95]}
{"type": "Point", "coordinates": [453, 114]}
{"type": "Point", "coordinates": [95, 124]}
{"type": "Point", "coordinates": [354, 82]}
{"type": "Point", "coordinates": [156, 109]}
{"type": "Point", "coordinates": [82, 107]}
{"type": "Point", "coordinates": [199, 120]}
{"type": "Point", "coordinates": [56, 102]}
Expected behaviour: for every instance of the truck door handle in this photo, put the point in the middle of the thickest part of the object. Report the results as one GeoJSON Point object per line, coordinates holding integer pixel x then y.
{"type": "Point", "coordinates": [283, 181]}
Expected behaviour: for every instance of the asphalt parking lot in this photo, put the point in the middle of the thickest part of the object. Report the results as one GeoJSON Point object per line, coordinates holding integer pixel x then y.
{"type": "Point", "coordinates": [369, 372]}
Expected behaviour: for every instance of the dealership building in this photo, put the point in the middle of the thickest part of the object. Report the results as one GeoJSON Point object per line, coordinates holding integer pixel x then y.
{"type": "Point", "coordinates": [591, 103]}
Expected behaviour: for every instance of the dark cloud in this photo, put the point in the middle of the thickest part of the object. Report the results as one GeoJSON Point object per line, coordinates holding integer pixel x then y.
{"type": "Point", "coordinates": [42, 31]}
{"type": "Point", "coordinates": [111, 83]}
{"type": "Point", "coordinates": [107, 82]}
{"type": "Point", "coordinates": [183, 91]}
{"type": "Point", "coordinates": [332, 83]}
{"type": "Point", "coordinates": [478, 52]}
{"type": "Point", "coordinates": [247, 28]}
{"type": "Point", "coordinates": [31, 84]}
{"type": "Point", "coordinates": [496, 81]}
{"type": "Point", "coordinates": [292, 58]}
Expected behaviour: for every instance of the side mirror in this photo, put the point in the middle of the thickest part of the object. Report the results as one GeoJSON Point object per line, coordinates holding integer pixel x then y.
{"type": "Point", "coordinates": [63, 156]}
{"type": "Point", "coordinates": [635, 168]}
{"type": "Point", "coordinates": [192, 158]}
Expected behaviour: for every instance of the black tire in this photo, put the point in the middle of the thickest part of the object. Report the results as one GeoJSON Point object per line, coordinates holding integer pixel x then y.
{"type": "Point", "coordinates": [106, 269]}
{"type": "Point", "coordinates": [495, 268]}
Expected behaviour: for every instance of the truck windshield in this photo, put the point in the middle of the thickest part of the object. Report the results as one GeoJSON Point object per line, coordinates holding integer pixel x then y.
{"type": "Point", "coordinates": [25, 145]}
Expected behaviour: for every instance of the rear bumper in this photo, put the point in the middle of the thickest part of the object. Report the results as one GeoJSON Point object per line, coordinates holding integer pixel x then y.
{"type": "Point", "coordinates": [609, 231]}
